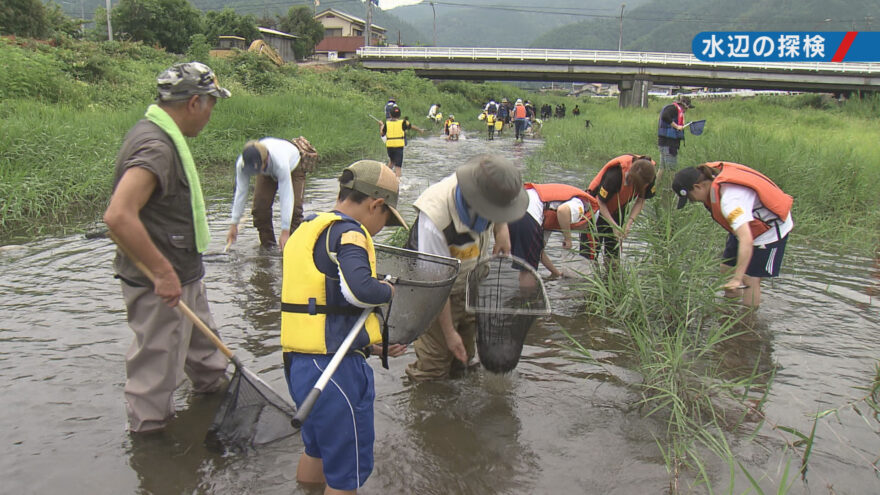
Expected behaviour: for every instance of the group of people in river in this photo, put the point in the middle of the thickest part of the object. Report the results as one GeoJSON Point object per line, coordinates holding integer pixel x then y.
{"type": "Point", "coordinates": [157, 215]}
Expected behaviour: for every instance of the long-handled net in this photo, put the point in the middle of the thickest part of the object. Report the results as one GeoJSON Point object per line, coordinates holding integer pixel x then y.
{"type": "Point", "coordinates": [423, 283]}
{"type": "Point", "coordinates": [507, 296]}
{"type": "Point", "coordinates": [251, 414]}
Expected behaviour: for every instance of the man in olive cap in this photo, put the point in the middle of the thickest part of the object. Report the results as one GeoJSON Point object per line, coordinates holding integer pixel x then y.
{"type": "Point", "coordinates": [157, 213]}
{"type": "Point", "coordinates": [455, 217]}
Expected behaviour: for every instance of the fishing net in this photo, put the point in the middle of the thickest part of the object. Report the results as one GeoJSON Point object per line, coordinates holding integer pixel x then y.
{"type": "Point", "coordinates": [696, 127]}
{"type": "Point", "coordinates": [423, 284]}
{"type": "Point", "coordinates": [251, 414]}
{"type": "Point", "coordinates": [507, 296]}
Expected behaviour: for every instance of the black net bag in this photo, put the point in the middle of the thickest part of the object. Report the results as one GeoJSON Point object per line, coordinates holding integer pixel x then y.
{"type": "Point", "coordinates": [422, 285]}
{"type": "Point", "coordinates": [251, 414]}
{"type": "Point", "coordinates": [507, 296]}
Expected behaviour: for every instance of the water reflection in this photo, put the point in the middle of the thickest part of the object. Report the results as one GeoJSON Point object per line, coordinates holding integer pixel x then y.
{"type": "Point", "coordinates": [555, 425]}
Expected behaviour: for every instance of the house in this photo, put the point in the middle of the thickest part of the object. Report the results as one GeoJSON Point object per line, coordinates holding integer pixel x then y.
{"type": "Point", "coordinates": [339, 24]}
{"type": "Point", "coordinates": [282, 43]}
{"type": "Point", "coordinates": [338, 48]}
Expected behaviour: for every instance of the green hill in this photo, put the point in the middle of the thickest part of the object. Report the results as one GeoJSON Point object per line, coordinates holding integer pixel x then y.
{"type": "Point", "coordinates": [659, 26]}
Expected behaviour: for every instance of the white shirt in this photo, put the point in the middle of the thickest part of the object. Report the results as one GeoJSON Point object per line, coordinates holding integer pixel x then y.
{"type": "Point", "coordinates": [283, 159]}
{"type": "Point", "coordinates": [740, 205]}
{"type": "Point", "coordinates": [431, 239]}
{"type": "Point", "coordinates": [433, 111]}
{"type": "Point", "coordinates": [536, 207]}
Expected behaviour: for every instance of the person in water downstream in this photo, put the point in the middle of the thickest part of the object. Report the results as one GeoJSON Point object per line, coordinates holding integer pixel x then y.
{"type": "Point", "coordinates": [158, 213]}
{"type": "Point", "coordinates": [455, 218]}
{"type": "Point", "coordinates": [394, 131]}
{"type": "Point", "coordinates": [330, 259]}
{"type": "Point", "coordinates": [755, 212]}
{"type": "Point", "coordinates": [276, 164]}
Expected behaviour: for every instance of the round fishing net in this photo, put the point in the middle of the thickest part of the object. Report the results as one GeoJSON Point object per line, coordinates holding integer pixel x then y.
{"type": "Point", "coordinates": [507, 296]}
{"type": "Point", "coordinates": [423, 283]}
{"type": "Point", "coordinates": [251, 414]}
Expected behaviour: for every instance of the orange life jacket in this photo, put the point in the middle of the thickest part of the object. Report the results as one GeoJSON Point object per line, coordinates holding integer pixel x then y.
{"type": "Point", "coordinates": [562, 192]}
{"type": "Point", "coordinates": [626, 193]}
{"type": "Point", "coordinates": [519, 112]}
{"type": "Point", "coordinates": [771, 196]}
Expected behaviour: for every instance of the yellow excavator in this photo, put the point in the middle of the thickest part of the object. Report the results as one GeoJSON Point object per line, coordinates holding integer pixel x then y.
{"type": "Point", "coordinates": [228, 43]}
{"type": "Point", "coordinates": [263, 48]}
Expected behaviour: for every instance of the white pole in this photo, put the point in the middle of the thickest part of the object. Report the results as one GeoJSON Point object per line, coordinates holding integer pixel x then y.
{"type": "Point", "coordinates": [620, 28]}
{"type": "Point", "coordinates": [109, 28]}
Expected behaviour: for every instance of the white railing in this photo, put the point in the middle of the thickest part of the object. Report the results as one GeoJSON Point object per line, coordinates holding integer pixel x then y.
{"type": "Point", "coordinates": [622, 57]}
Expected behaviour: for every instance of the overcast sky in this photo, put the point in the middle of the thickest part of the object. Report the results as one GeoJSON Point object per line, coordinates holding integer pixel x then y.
{"type": "Point", "coordinates": [390, 4]}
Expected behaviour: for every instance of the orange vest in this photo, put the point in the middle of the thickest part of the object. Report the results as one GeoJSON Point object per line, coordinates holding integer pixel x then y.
{"type": "Point", "coordinates": [519, 112]}
{"type": "Point", "coordinates": [626, 193]}
{"type": "Point", "coordinates": [771, 196]}
{"type": "Point", "coordinates": [561, 192]}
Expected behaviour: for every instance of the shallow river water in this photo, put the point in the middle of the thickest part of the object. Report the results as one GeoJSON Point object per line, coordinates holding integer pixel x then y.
{"type": "Point", "coordinates": [555, 425]}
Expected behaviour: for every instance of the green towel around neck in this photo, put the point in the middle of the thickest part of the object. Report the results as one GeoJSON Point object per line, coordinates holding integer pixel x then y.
{"type": "Point", "coordinates": [200, 220]}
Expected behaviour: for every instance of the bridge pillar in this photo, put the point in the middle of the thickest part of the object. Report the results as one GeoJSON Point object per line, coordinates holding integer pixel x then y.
{"type": "Point", "coordinates": [633, 93]}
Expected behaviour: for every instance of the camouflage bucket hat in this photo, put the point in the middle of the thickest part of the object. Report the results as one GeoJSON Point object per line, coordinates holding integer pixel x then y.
{"type": "Point", "coordinates": [376, 180]}
{"type": "Point", "coordinates": [181, 81]}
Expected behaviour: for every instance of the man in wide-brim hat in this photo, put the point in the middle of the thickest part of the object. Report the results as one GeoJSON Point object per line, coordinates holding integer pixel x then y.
{"type": "Point", "coordinates": [455, 218]}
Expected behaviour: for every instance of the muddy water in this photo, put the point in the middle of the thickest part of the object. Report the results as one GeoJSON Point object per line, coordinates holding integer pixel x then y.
{"type": "Point", "coordinates": [554, 426]}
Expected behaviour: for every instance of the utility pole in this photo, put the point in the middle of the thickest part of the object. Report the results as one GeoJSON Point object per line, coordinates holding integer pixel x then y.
{"type": "Point", "coordinates": [109, 27]}
{"type": "Point", "coordinates": [620, 28]}
{"type": "Point", "coordinates": [435, 23]}
{"type": "Point", "coordinates": [369, 27]}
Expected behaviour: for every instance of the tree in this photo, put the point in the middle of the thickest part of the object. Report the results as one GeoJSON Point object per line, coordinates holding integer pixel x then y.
{"type": "Point", "coordinates": [60, 24]}
{"type": "Point", "coordinates": [300, 22]}
{"type": "Point", "coordinates": [168, 23]}
{"type": "Point", "coordinates": [228, 23]}
{"type": "Point", "coordinates": [23, 18]}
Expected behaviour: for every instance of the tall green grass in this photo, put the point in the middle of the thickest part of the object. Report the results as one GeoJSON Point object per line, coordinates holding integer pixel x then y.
{"type": "Point", "coordinates": [825, 157]}
{"type": "Point", "coordinates": [66, 110]}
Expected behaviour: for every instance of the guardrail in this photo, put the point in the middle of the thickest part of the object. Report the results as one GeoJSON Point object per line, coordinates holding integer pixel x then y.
{"type": "Point", "coordinates": [597, 56]}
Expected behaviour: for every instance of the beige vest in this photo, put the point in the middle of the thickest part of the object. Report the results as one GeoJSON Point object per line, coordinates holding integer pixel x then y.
{"type": "Point", "coordinates": [438, 202]}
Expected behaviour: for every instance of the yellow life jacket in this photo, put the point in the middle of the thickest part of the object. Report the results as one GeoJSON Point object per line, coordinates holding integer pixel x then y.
{"type": "Point", "coordinates": [308, 325]}
{"type": "Point", "coordinates": [395, 137]}
{"type": "Point", "coordinates": [490, 120]}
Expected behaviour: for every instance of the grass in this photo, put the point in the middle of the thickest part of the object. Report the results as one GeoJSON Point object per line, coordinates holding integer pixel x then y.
{"type": "Point", "coordinates": [66, 110]}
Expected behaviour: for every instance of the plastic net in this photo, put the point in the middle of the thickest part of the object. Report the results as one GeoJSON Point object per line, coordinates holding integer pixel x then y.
{"type": "Point", "coordinates": [696, 127]}
{"type": "Point", "coordinates": [251, 414]}
{"type": "Point", "coordinates": [507, 296]}
{"type": "Point", "coordinates": [423, 283]}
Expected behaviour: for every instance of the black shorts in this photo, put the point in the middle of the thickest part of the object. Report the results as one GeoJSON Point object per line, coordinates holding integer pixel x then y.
{"type": "Point", "coordinates": [526, 240]}
{"type": "Point", "coordinates": [766, 260]}
{"type": "Point", "coordinates": [396, 156]}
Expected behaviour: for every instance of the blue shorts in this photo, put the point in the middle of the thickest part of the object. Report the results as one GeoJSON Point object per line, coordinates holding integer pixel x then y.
{"type": "Point", "coordinates": [395, 156]}
{"type": "Point", "coordinates": [766, 260]}
{"type": "Point", "coordinates": [339, 430]}
{"type": "Point", "coordinates": [526, 239]}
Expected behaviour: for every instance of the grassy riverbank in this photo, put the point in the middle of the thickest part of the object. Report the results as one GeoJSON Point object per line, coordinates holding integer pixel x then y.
{"type": "Point", "coordinates": [820, 152]}
{"type": "Point", "coordinates": [66, 110]}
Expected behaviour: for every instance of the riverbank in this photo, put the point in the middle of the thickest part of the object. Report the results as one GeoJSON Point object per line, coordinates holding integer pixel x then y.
{"type": "Point", "coordinates": [821, 152]}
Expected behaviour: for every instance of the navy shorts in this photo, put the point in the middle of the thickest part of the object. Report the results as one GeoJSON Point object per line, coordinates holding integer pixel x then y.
{"type": "Point", "coordinates": [339, 430]}
{"type": "Point", "coordinates": [526, 240]}
{"type": "Point", "coordinates": [766, 260]}
{"type": "Point", "coordinates": [396, 156]}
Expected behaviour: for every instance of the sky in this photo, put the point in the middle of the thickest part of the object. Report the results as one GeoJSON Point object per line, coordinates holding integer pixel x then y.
{"type": "Point", "coordinates": [390, 4]}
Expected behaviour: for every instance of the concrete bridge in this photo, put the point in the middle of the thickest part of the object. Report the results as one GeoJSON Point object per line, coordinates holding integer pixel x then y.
{"type": "Point", "coordinates": [633, 72]}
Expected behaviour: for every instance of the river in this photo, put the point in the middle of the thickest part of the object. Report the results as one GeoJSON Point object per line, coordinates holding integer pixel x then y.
{"type": "Point", "coordinates": [555, 425]}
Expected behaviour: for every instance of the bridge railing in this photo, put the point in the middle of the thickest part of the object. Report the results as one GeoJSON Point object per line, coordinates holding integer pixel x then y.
{"type": "Point", "coordinates": [598, 56]}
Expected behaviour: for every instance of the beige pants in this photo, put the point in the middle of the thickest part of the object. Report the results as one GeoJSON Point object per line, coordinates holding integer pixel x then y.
{"type": "Point", "coordinates": [165, 347]}
{"type": "Point", "coordinates": [434, 361]}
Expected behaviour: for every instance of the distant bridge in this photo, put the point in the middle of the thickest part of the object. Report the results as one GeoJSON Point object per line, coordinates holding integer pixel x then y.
{"type": "Point", "coordinates": [633, 72]}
